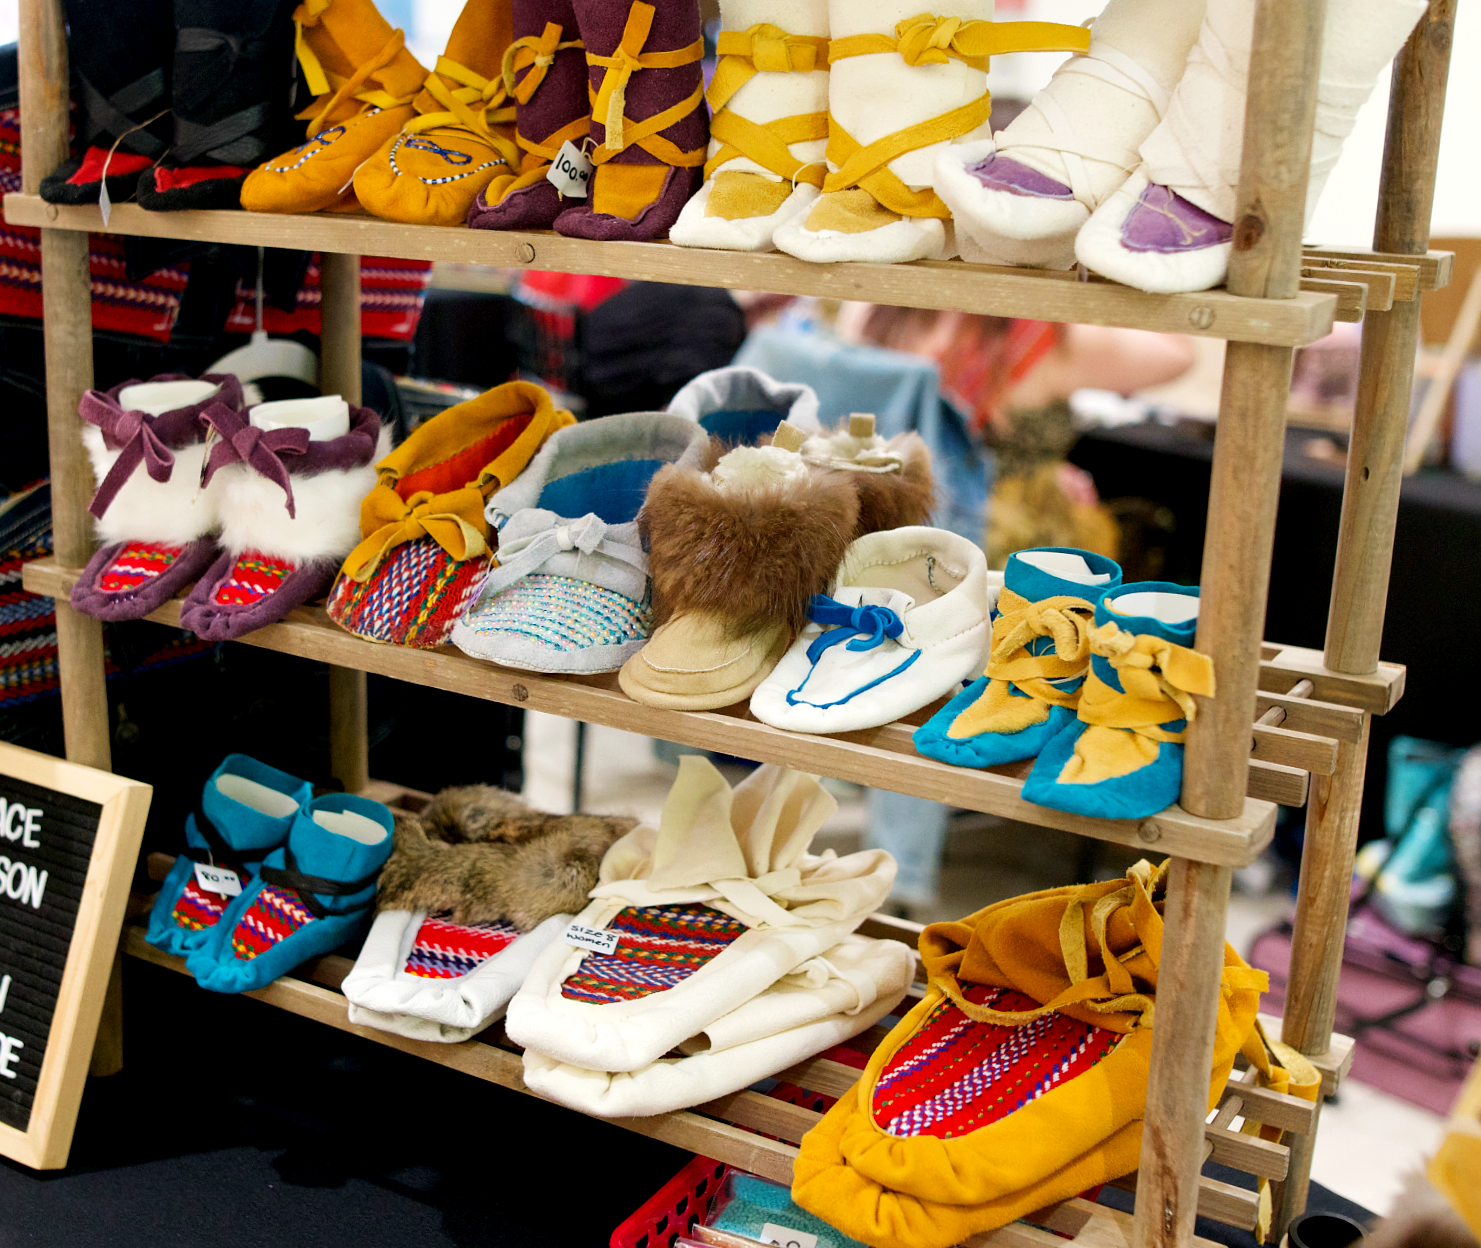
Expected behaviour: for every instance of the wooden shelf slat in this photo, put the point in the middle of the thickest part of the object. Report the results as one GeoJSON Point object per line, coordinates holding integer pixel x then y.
{"type": "Point", "coordinates": [879, 758]}
{"type": "Point", "coordinates": [1434, 270]}
{"type": "Point", "coordinates": [998, 291]}
{"type": "Point", "coordinates": [1283, 667]}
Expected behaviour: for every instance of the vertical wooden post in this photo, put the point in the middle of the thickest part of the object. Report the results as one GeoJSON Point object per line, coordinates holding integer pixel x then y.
{"type": "Point", "coordinates": [339, 372]}
{"type": "Point", "coordinates": [1370, 497]}
{"type": "Point", "coordinates": [1182, 1054]}
{"type": "Point", "coordinates": [1370, 506]}
{"type": "Point", "coordinates": [1266, 261]}
{"type": "Point", "coordinates": [68, 335]}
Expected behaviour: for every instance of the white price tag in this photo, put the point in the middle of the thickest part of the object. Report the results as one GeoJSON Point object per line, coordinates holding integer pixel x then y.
{"type": "Point", "coordinates": [570, 172]}
{"type": "Point", "coordinates": [590, 939]}
{"type": "Point", "coordinates": [217, 880]}
{"type": "Point", "coordinates": [105, 204]}
{"type": "Point", "coordinates": [783, 1237]}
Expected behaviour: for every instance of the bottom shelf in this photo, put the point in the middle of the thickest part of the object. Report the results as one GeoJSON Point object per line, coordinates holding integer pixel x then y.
{"type": "Point", "coordinates": [728, 1128]}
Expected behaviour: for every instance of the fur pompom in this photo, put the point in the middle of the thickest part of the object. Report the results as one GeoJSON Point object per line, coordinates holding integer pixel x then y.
{"type": "Point", "coordinates": [753, 554]}
{"type": "Point", "coordinates": [524, 879]}
{"type": "Point", "coordinates": [896, 500]}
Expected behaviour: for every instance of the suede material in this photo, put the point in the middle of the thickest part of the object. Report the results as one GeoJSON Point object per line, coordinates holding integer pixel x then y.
{"type": "Point", "coordinates": [741, 428]}
{"type": "Point", "coordinates": [214, 963]}
{"type": "Point", "coordinates": [652, 223]}
{"type": "Point", "coordinates": [244, 828]}
{"type": "Point", "coordinates": [735, 195]}
{"type": "Point", "coordinates": [1091, 952]}
{"type": "Point", "coordinates": [213, 621]}
{"type": "Point", "coordinates": [934, 739]}
{"type": "Point", "coordinates": [135, 604]}
{"type": "Point", "coordinates": [615, 492]}
{"type": "Point", "coordinates": [183, 426]}
{"type": "Point", "coordinates": [68, 184]}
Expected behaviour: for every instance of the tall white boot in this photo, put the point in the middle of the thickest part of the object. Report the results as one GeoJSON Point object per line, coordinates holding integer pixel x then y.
{"type": "Point", "coordinates": [1075, 144]}
{"type": "Point", "coordinates": [1168, 229]}
{"type": "Point", "coordinates": [903, 85]}
{"type": "Point", "coordinates": [769, 100]}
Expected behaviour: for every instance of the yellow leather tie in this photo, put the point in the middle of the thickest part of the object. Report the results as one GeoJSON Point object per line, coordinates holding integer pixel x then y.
{"type": "Point", "coordinates": [764, 48]}
{"type": "Point", "coordinates": [926, 39]}
{"type": "Point", "coordinates": [610, 100]}
{"type": "Point", "coordinates": [1158, 680]}
{"type": "Point", "coordinates": [476, 106]}
{"type": "Point", "coordinates": [330, 90]}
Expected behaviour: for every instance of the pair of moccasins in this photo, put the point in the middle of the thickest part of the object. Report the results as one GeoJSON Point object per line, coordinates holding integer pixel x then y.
{"type": "Point", "coordinates": [1092, 678]}
{"type": "Point", "coordinates": [1020, 1079]}
{"type": "Point", "coordinates": [256, 505]}
{"type": "Point", "coordinates": [717, 951]}
{"type": "Point", "coordinates": [474, 139]}
{"type": "Point", "coordinates": [476, 888]}
{"type": "Point", "coordinates": [271, 876]}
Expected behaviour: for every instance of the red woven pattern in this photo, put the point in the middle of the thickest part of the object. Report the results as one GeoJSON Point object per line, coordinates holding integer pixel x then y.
{"type": "Point", "coordinates": [137, 564]}
{"type": "Point", "coordinates": [444, 950]}
{"type": "Point", "coordinates": [956, 1075]}
{"type": "Point", "coordinates": [197, 909]}
{"type": "Point", "coordinates": [274, 915]}
{"type": "Point", "coordinates": [253, 577]}
{"type": "Point", "coordinates": [657, 947]}
{"type": "Point", "coordinates": [413, 599]}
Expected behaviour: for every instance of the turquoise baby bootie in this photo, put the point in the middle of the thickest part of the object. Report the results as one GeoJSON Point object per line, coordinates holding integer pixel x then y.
{"type": "Point", "coordinates": [245, 811]}
{"type": "Point", "coordinates": [1036, 663]}
{"type": "Point", "coordinates": [1122, 758]}
{"type": "Point", "coordinates": [310, 896]}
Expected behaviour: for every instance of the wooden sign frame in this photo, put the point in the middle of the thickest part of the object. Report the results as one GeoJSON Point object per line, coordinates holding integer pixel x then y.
{"type": "Point", "coordinates": [47, 1140]}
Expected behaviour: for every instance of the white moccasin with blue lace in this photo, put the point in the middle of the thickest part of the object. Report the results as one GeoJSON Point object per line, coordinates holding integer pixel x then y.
{"type": "Point", "coordinates": [906, 623]}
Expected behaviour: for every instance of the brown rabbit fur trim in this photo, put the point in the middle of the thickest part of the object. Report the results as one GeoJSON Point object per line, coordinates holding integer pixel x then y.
{"type": "Point", "coordinates": [893, 500]}
{"type": "Point", "coordinates": [752, 555]}
{"type": "Point", "coordinates": [484, 857]}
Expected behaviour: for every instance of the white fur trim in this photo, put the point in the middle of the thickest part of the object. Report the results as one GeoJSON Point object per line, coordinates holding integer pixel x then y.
{"type": "Point", "coordinates": [695, 229]}
{"type": "Point", "coordinates": [254, 511]}
{"type": "Point", "coordinates": [1098, 247]}
{"type": "Point", "coordinates": [383, 995]}
{"type": "Point", "coordinates": [741, 387]}
{"type": "Point", "coordinates": [176, 511]}
{"type": "Point", "coordinates": [757, 466]}
{"type": "Point", "coordinates": [827, 1001]}
{"type": "Point", "coordinates": [910, 238]}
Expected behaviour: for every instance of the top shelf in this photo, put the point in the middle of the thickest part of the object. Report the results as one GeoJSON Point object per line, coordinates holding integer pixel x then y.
{"type": "Point", "coordinates": [1029, 293]}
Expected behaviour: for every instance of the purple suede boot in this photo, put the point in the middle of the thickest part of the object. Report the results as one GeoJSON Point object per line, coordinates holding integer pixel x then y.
{"type": "Point", "coordinates": [293, 475]}
{"type": "Point", "coordinates": [649, 127]}
{"type": "Point", "coordinates": [156, 521]}
{"type": "Point", "coordinates": [551, 108]}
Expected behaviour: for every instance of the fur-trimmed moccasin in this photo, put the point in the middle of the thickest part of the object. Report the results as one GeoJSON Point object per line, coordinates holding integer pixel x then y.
{"type": "Point", "coordinates": [294, 474]}
{"type": "Point", "coordinates": [425, 545]}
{"type": "Point", "coordinates": [477, 887]}
{"type": "Point", "coordinates": [156, 521]}
{"type": "Point", "coordinates": [892, 476]}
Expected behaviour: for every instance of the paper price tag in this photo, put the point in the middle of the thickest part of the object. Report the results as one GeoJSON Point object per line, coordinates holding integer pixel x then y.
{"type": "Point", "coordinates": [590, 939]}
{"type": "Point", "coordinates": [105, 204]}
{"type": "Point", "coordinates": [570, 172]}
{"type": "Point", "coordinates": [218, 880]}
{"type": "Point", "coordinates": [784, 1237]}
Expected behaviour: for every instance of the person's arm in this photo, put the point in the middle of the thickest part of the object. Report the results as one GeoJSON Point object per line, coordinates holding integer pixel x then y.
{"type": "Point", "coordinates": [1097, 357]}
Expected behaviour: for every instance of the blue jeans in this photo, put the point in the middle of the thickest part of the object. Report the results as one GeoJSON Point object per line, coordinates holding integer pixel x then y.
{"type": "Point", "coordinates": [913, 829]}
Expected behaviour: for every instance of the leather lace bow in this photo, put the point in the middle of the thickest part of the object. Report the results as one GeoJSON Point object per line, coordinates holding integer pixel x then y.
{"type": "Point", "coordinates": [134, 433]}
{"type": "Point", "coordinates": [262, 450]}
{"type": "Point", "coordinates": [443, 517]}
{"type": "Point", "coordinates": [1065, 621]}
{"type": "Point", "coordinates": [861, 628]}
{"type": "Point", "coordinates": [609, 102]}
{"type": "Point", "coordinates": [1158, 680]}
{"type": "Point", "coordinates": [588, 536]}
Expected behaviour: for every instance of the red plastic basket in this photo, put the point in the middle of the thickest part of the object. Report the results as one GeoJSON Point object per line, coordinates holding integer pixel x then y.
{"type": "Point", "coordinates": [674, 1208]}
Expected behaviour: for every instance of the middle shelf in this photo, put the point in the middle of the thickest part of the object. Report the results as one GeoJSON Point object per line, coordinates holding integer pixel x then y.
{"type": "Point", "coordinates": [883, 758]}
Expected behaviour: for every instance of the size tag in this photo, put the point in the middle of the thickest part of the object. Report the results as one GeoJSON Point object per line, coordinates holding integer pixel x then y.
{"type": "Point", "coordinates": [570, 173]}
{"type": "Point", "coordinates": [771, 1233]}
{"type": "Point", "coordinates": [591, 939]}
{"type": "Point", "coordinates": [217, 880]}
{"type": "Point", "coordinates": [105, 204]}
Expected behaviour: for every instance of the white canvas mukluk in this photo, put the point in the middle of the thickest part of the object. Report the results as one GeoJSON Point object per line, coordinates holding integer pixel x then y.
{"type": "Point", "coordinates": [740, 853]}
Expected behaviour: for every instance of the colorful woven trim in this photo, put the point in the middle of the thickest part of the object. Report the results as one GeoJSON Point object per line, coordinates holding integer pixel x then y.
{"type": "Point", "coordinates": [956, 1075]}
{"type": "Point", "coordinates": [195, 909]}
{"type": "Point", "coordinates": [274, 915]}
{"type": "Point", "coordinates": [28, 629]}
{"type": "Point", "coordinates": [413, 599]}
{"type": "Point", "coordinates": [657, 947]}
{"type": "Point", "coordinates": [565, 614]}
{"type": "Point", "coordinates": [252, 578]}
{"type": "Point", "coordinates": [137, 564]}
{"type": "Point", "coordinates": [445, 950]}
{"type": "Point", "coordinates": [391, 296]}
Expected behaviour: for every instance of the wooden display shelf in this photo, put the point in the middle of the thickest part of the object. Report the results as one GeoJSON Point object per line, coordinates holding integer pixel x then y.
{"type": "Point", "coordinates": [990, 289]}
{"type": "Point", "coordinates": [727, 1128]}
{"type": "Point", "coordinates": [880, 757]}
